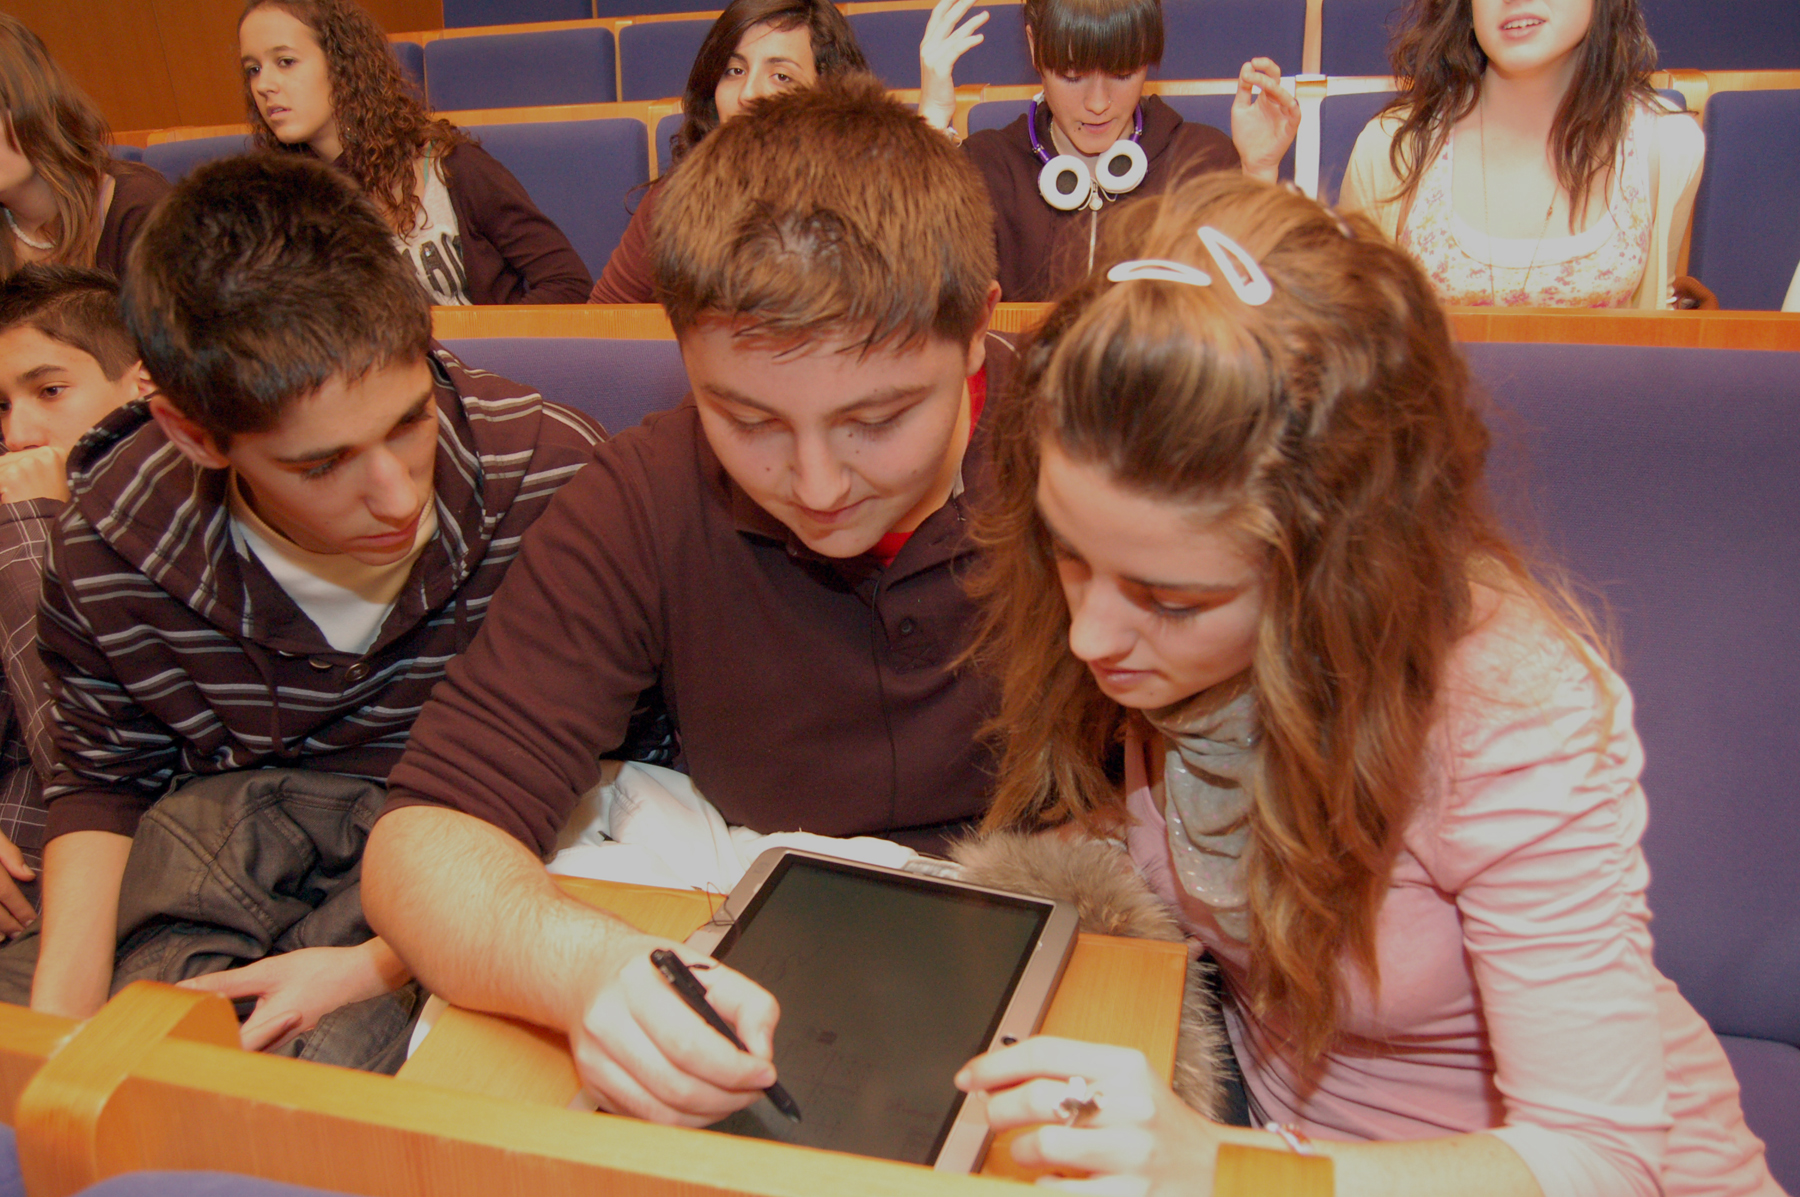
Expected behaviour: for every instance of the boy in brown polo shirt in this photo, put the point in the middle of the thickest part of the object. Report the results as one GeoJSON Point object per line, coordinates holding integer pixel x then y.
{"type": "Point", "coordinates": [780, 556]}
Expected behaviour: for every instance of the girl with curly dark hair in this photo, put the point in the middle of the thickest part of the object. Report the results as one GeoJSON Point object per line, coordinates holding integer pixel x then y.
{"type": "Point", "coordinates": [64, 198]}
{"type": "Point", "coordinates": [319, 79]}
{"type": "Point", "coordinates": [755, 48]}
{"type": "Point", "coordinates": [1526, 159]}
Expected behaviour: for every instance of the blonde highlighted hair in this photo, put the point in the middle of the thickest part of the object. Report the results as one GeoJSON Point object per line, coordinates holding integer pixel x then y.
{"type": "Point", "coordinates": [54, 125]}
{"type": "Point", "coordinates": [1337, 426]}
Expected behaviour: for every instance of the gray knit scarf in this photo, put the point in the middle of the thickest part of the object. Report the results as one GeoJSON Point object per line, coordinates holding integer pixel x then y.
{"type": "Point", "coordinates": [1208, 759]}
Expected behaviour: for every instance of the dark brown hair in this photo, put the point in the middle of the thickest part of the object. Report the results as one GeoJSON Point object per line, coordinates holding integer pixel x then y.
{"type": "Point", "coordinates": [63, 135]}
{"type": "Point", "coordinates": [1439, 64]}
{"type": "Point", "coordinates": [79, 307]}
{"type": "Point", "coordinates": [260, 279]}
{"type": "Point", "coordinates": [1074, 37]}
{"type": "Point", "coordinates": [828, 209]}
{"type": "Point", "coordinates": [833, 45]}
{"type": "Point", "coordinates": [382, 124]}
{"type": "Point", "coordinates": [1335, 428]}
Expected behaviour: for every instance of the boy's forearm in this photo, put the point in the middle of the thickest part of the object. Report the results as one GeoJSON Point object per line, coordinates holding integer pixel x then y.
{"type": "Point", "coordinates": [473, 913]}
{"type": "Point", "coordinates": [81, 878]}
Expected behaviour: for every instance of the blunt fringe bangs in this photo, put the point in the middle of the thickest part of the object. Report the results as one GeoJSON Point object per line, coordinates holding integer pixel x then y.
{"type": "Point", "coordinates": [76, 306]}
{"type": "Point", "coordinates": [1336, 430]}
{"type": "Point", "coordinates": [1074, 37]}
{"type": "Point", "coordinates": [260, 279]}
{"type": "Point", "coordinates": [834, 48]}
{"type": "Point", "coordinates": [828, 210]}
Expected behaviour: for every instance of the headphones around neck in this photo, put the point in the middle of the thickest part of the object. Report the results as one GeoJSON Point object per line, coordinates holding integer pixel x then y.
{"type": "Point", "coordinates": [1065, 182]}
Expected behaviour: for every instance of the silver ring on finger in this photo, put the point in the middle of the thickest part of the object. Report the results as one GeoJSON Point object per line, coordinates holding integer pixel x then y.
{"type": "Point", "coordinates": [1081, 1099]}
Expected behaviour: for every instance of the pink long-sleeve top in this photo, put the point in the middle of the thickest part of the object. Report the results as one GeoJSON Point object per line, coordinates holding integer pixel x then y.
{"type": "Point", "coordinates": [1517, 993]}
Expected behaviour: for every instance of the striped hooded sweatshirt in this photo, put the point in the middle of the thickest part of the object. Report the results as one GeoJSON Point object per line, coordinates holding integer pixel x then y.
{"type": "Point", "coordinates": [171, 655]}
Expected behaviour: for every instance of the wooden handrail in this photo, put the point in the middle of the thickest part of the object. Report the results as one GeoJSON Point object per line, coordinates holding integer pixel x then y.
{"type": "Point", "coordinates": [1687, 330]}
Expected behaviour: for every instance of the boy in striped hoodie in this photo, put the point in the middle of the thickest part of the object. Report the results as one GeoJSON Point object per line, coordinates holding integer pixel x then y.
{"type": "Point", "coordinates": [266, 566]}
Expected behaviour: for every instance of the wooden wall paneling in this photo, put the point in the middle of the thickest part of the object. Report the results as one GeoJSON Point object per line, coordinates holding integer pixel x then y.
{"type": "Point", "coordinates": [113, 49]}
{"type": "Point", "coordinates": [200, 45]}
{"type": "Point", "coordinates": [398, 15]}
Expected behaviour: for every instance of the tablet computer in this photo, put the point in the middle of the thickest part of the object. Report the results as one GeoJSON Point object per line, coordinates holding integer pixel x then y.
{"type": "Point", "coordinates": [889, 983]}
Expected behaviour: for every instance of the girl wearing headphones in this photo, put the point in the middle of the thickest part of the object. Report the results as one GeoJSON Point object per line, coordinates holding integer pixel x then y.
{"type": "Point", "coordinates": [1092, 136]}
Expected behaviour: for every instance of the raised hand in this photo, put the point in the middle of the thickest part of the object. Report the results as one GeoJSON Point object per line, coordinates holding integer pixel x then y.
{"type": "Point", "coordinates": [1263, 127]}
{"type": "Point", "coordinates": [944, 42]}
{"type": "Point", "coordinates": [15, 912]}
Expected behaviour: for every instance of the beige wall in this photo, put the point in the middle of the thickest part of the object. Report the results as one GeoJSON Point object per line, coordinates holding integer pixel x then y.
{"type": "Point", "coordinates": [152, 64]}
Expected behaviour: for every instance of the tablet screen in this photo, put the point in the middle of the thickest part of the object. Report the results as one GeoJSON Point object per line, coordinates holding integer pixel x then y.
{"type": "Point", "coordinates": [888, 985]}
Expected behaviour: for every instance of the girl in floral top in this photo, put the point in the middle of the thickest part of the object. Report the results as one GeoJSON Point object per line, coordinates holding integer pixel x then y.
{"type": "Point", "coordinates": [1526, 160]}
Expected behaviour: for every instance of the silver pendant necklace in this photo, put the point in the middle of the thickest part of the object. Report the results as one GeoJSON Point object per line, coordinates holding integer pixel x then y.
{"type": "Point", "coordinates": [13, 223]}
{"type": "Point", "coordinates": [1525, 286]}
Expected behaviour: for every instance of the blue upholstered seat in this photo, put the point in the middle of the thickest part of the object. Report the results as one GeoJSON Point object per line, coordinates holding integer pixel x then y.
{"type": "Point", "coordinates": [655, 58]}
{"type": "Point", "coordinates": [1665, 479]}
{"type": "Point", "coordinates": [517, 70]}
{"type": "Point", "coordinates": [579, 173]}
{"type": "Point", "coordinates": [175, 158]}
{"type": "Point", "coordinates": [412, 61]}
{"type": "Point", "coordinates": [890, 41]}
{"type": "Point", "coordinates": [1733, 35]}
{"type": "Point", "coordinates": [666, 128]}
{"type": "Point", "coordinates": [617, 382]}
{"type": "Point", "coordinates": [1213, 39]}
{"type": "Point", "coordinates": [1747, 216]}
{"type": "Point", "coordinates": [126, 153]}
{"type": "Point", "coordinates": [1354, 35]}
{"type": "Point", "coordinates": [1341, 119]}
{"type": "Point", "coordinates": [460, 14]}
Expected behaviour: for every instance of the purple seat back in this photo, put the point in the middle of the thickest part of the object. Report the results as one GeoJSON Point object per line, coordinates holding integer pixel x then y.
{"type": "Point", "coordinates": [1216, 111]}
{"type": "Point", "coordinates": [890, 41]}
{"type": "Point", "coordinates": [126, 153]}
{"type": "Point", "coordinates": [1341, 120]}
{"type": "Point", "coordinates": [1354, 36]}
{"type": "Point", "coordinates": [666, 128]}
{"type": "Point", "coordinates": [1213, 39]}
{"type": "Point", "coordinates": [1746, 217]}
{"type": "Point", "coordinates": [655, 58]}
{"type": "Point", "coordinates": [461, 14]}
{"type": "Point", "coordinates": [411, 56]}
{"type": "Point", "coordinates": [1665, 479]}
{"type": "Point", "coordinates": [1736, 35]}
{"type": "Point", "coordinates": [175, 158]}
{"type": "Point", "coordinates": [996, 114]}
{"type": "Point", "coordinates": [581, 174]}
{"type": "Point", "coordinates": [519, 70]}
{"type": "Point", "coordinates": [617, 382]}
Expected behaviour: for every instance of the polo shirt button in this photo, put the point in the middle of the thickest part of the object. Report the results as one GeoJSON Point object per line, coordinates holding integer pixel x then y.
{"type": "Point", "coordinates": [908, 626]}
{"type": "Point", "coordinates": [356, 672]}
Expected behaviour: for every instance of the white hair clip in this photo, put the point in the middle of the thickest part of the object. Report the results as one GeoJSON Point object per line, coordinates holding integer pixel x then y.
{"type": "Point", "coordinates": [1239, 269]}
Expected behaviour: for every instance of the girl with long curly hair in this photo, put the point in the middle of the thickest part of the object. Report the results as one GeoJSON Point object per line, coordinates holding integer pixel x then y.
{"type": "Point", "coordinates": [1372, 765]}
{"type": "Point", "coordinates": [754, 49]}
{"type": "Point", "coordinates": [64, 198]}
{"type": "Point", "coordinates": [319, 79]}
{"type": "Point", "coordinates": [1527, 161]}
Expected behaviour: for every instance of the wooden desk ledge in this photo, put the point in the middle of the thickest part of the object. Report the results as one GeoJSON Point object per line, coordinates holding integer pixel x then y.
{"type": "Point", "coordinates": [1687, 330]}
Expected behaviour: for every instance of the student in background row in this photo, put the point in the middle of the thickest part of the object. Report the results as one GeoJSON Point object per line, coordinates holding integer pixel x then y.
{"type": "Point", "coordinates": [319, 79]}
{"type": "Point", "coordinates": [1526, 159]}
{"type": "Point", "coordinates": [66, 360]}
{"type": "Point", "coordinates": [1372, 764]}
{"type": "Point", "coordinates": [755, 48]}
{"type": "Point", "coordinates": [297, 531]}
{"type": "Point", "coordinates": [65, 199]}
{"type": "Point", "coordinates": [1091, 136]}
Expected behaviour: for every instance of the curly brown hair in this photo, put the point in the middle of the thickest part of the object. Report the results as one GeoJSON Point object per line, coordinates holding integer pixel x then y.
{"type": "Point", "coordinates": [383, 124]}
{"type": "Point", "coordinates": [1439, 64]}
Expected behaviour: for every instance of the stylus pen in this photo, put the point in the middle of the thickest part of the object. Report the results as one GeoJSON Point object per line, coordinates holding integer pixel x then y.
{"type": "Point", "coordinates": [694, 994]}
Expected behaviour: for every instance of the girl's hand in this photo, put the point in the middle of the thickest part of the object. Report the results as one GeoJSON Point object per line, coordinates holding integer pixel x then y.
{"type": "Point", "coordinates": [1263, 127]}
{"type": "Point", "coordinates": [944, 42]}
{"type": "Point", "coordinates": [294, 990]}
{"type": "Point", "coordinates": [1141, 1140]}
